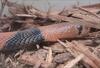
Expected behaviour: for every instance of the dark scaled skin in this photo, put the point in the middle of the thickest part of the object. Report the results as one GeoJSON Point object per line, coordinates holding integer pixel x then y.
{"type": "Point", "coordinates": [24, 38]}
{"type": "Point", "coordinates": [50, 33]}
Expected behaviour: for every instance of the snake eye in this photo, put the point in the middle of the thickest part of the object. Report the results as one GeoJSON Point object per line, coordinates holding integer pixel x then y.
{"type": "Point", "coordinates": [80, 28]}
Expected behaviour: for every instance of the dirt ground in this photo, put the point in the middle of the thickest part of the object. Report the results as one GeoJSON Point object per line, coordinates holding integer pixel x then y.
{"type": "Point", "coordinates": [67, 53]}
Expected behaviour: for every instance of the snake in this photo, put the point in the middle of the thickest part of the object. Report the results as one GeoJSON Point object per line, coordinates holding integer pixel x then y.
{"type": "Point", "coordinates": [50, 33]}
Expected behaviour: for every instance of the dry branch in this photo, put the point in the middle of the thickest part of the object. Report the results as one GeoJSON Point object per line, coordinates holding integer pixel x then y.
{"type": "Point", "coordinates": [73, 62]}
{"type": "Point", "coordinates": [76, 48]}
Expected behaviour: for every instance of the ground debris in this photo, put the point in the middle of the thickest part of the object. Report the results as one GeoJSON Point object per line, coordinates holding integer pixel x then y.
{"type": "Point", "coordinates": [82, 52]}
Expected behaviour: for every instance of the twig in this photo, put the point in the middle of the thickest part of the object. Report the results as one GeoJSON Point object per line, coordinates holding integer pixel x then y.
{"type": "Point", "coordinates": [89, 58]}
{"type": "Point", "coordinates": [62, 43]}
{"type": "Point", "coordinates": [3, 3]}
{"type": "Point", "coordinates": [72, 63]}
{"type": "Point", "coordinates": [83, 49]}
{"type": "Point", "coordinates": [49, 56]}
{"type": "Point", "coordinates": [25, 15]}
{"type": "Point", "coordinates": [93, 14]}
